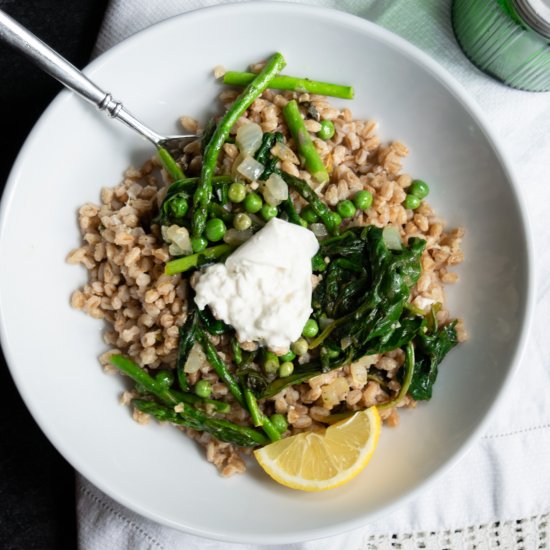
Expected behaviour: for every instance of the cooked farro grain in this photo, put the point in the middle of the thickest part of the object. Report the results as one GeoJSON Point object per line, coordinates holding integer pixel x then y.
{"type": "Point", "coordinates": [144, 308]}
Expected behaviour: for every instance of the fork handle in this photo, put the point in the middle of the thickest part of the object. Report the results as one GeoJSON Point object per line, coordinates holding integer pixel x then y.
{"type": "Point", "coordinates": [57, 66]}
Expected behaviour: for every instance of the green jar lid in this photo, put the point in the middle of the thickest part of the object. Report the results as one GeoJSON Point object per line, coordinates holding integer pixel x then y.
{"type": "Point", "coordinates": [536, 14]}
{"type": "Point", "coordinates": [507, 39]}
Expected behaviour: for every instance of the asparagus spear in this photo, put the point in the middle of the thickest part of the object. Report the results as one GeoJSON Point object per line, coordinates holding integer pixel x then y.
{"type": "Point", "coordinates": [305, 146]}
{"type": "Point", "coordinates": [237, 351]}
{"type": "Point", "coordinates": [195, 419]}
{"type": "Point", "coordinates": [220, 367]}
{"type": "Point", "coordinates": [189, 185]}
{"type": "Point", "coordinates": [171, 166]}
{"type": "Point", "coordinates": [193, 399]}
{"type": "Point", "coordinates": [187, 262]}
{"type": "Point", "coordinates": [259, 419]}
{"type": "Point", "coordinates": [166, 395]}
{"type": "Point", "coordinates": [210, 323]}
{"type": "Point", "coordinates": [187, 339]}
{"type": "Point", "coordinates": [203, 193]}
{"type": "Point", "coordinates": [139, 375]}
{"type": "Point", "coordinates": [307, 193]}
{"type": "Point", "coordinates": [284, 82]}
{"type": "Point", "coordinates": [293, 216]}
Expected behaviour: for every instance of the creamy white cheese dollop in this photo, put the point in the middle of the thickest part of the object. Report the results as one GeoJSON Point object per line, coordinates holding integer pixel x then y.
{"type": "Point", "coordinates": [264, 288]}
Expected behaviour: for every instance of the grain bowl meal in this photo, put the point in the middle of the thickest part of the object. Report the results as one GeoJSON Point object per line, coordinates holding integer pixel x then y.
{"type": "Point", "coordinates": [275, 287]}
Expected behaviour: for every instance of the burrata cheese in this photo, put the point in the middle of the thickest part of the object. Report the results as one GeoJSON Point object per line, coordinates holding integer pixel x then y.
{"type": "Point", "coordinates": [264, 288]}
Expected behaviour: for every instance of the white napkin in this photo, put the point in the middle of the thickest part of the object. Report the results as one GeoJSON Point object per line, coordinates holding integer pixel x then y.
{"type": "Point", "coordinates": [506, 475]}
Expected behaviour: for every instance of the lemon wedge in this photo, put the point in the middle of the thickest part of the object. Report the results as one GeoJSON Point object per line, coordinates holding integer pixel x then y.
{"type": "Point", "coordinates": [319, 461]}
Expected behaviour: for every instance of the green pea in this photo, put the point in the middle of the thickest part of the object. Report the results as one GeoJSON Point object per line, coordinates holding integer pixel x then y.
{"type": "Point", "coordinates": [203, 388]}
{"type": "Point", "coordinates": [268, 211]}
{"type": "Point", "coordinates": [215, 230]}
{"type": "Point", "coordinates": [286, 369]}
{"type": "Point", "coordinates": [411, 202]}
{"type": "Point", "coordinates": [280, 422]}
{"type": "Point", "coordinates": [165, 378]}
{"type": "Point", "coordinates": [318, 263]}
{"type": "Point", "coordinates": [346, 209]}
{"type": "Point", "coordinates": [337, 218]}
{"type": "Point", "coordinates": [311, 329]}
{"type": "Point", "coordinates": [178, 206]}
{"type": "Point", "coordinates": [300, 347]}
{"type": "Point", "coordinates": [288, 356]}
{"type": "Point", "coordinates": [237, 192]}
{"type": "Point", "coordinates": [327, 129]}
{"type": "Point", "coordinates": [309, 215]}
{"type": "Point", "coordinates": [363, 199]}
{"type": "Point", "coordinates": [241, 221]}
{"type": "Point", "coordinates": [198, 244]}
{"type": "Point", "coordinates": [271, 362]}
{"type": "Point", "coordinates": [419, 189]}
{"type": "Point", "coordinates": [253, 203]}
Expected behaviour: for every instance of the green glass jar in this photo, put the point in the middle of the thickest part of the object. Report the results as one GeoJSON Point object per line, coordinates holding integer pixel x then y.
{"type": "Point", "coordinates": [507, 39]}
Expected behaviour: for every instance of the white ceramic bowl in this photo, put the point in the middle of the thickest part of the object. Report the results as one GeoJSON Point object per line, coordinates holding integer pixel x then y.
{"type": "Point", "coordinates": [160, 74]}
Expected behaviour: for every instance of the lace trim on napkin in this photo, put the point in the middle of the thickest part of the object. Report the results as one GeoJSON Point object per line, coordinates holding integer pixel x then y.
{"type": "Point", "coordinates": [522, 534]}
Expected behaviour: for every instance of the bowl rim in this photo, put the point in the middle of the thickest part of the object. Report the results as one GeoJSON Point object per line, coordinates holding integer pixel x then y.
{"type": "Point", "coordinates": [468, 103]}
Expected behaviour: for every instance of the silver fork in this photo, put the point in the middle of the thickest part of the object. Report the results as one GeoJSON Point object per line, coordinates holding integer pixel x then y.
{"type": "Point", "coordinates": [57, 66]}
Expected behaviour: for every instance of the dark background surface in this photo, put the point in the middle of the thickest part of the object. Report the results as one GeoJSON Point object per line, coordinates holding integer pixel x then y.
{"type": "Point", "coordinates": [37, 494]}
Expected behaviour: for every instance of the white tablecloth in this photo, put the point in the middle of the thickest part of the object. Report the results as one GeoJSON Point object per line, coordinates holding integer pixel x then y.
{"type": "Point", "coordinates": [505, 477]}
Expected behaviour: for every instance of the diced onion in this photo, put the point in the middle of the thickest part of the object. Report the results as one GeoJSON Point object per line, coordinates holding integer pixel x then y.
{"type": "Point", "coordinates": [178, 238]}
{"type": "Point", "coordinates": [275, 190]}
{"type": "Point", "coordinates": [345, 342]}
{"type": "Point", "coordinates": [249, 138]}
{"type": "Point", "coordinates": [324, 322]}
{"type": "Point", "coordinates": [391, 238]}
{"type": "Point", "coordinates": [175, 250]}
{"type": "Point", "coordinates": [284, 152]}
{"type": "Point", "coordinates": [319, 230]}
{"type": "Point", "coordinates": [250, 168]}
{"type": "Point", "coordinates": [423, 303]}
{"type": "Point", "coordinates": [269, 198]}
{"type": "Point", "coordinates": [365, 361]}
{"type": "Point", "coordinates": [234, 237]}
{"type": "Point", "coordinates": [196, 359]}
{"type": "Point", "coordinates": [333, 393]}
{"type": "Point", "coordinates": [358, 374]}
